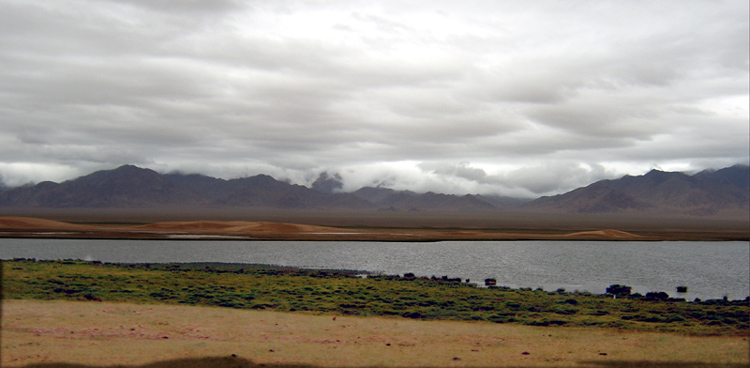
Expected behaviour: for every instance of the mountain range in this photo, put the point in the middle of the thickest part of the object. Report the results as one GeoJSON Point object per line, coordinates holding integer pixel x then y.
{"type": "Point", "coordinates": [708, 193]}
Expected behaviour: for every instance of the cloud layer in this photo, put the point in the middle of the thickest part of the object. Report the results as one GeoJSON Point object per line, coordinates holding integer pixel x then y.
{"type": "Point", "coordinates": [501, 97]}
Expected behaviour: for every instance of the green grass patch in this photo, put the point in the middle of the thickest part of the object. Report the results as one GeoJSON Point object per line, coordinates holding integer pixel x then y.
{"type": "Point", "coordinates": [343, 292]}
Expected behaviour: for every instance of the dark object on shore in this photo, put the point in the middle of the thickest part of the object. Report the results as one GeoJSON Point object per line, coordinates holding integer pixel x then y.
{"type": "Point", "coordinates": [490, 282]}
{"type": "Point", "coordinates": [682, 289]}
{"type": "Point", "coordinates": [451, 279]}
{"type": "Point", "coordinates": [409, 276]}
{"type": "Point", "coordinates": [618, 289]}
{"type": "Point", "coordinates": [657, 295]}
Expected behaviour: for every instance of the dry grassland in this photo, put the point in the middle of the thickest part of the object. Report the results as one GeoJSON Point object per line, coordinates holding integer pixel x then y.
{"type": "Point", "coordinates": [46, 334]}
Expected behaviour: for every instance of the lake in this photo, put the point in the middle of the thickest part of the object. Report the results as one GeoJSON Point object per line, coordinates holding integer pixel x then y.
{"type": "Point", "coordinates": [710, 270]}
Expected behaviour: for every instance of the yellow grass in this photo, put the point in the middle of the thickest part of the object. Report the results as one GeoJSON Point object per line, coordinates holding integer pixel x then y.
{"type": "Point", "coordinates": [160, 336]}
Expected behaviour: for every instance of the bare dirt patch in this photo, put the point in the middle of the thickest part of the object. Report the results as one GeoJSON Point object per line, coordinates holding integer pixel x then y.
{"type": "Point", "coordinates": [40, 333]}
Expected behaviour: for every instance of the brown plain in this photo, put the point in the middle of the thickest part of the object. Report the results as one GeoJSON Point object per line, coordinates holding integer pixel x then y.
{"type": "Point", "coordinates": [46, 334]}
{"type": "Point", "coordinates": [264, 230]}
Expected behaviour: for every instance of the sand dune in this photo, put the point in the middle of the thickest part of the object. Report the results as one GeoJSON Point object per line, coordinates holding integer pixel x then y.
{"type": "Point", "coordinates": [603, 234]}
{"type": "Point", "coordinates": [262, 230]}
{"type": "Point", "coordinates": [34, 227]}
{"type": "Point", "coordinates": [243, 227]}
{"type": "Point", "coordinates": [190, 225]}
{"type": "Point", "coordinates": [30, 223]}
{"type": "Point", "coordinates": [261, 227]}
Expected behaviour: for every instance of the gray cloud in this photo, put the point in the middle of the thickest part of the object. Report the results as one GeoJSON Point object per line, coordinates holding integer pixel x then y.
{"type": "Point", "coordinates": [520, 99]}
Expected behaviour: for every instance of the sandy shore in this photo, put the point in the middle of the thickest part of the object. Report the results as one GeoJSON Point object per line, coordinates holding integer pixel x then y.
{"type": "Point", "coordinates": [43, 334]}
{"type": "Point", "coordinates": [259, 230]}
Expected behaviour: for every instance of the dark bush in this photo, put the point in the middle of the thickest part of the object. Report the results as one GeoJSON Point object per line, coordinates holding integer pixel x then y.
{"type": "Point", "coordinates": [657, 295]}
{"type": "Point", "coordinates": [618, 289]}
{"type": "Point", "coordinates": [413, 315]}
{"type": "Point", "coordinates": [92, 297]}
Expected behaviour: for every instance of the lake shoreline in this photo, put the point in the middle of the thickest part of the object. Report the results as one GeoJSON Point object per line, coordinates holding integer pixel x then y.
{"type": "Point", "coordinates": [97, 314]}
{"type": "Point", "coordinates": [706, 270]}
{"type": "Point", "coordinates": [286, 289]}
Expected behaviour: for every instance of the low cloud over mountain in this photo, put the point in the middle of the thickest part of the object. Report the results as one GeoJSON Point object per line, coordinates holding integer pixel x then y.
{"type": "Point", "coordinates": [724, 192]}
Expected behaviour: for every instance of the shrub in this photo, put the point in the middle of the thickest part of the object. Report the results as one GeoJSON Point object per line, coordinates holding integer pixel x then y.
{"type": "Point", "coordinates": [660, 295]}
{"type": "Point", "coordinates": [619, 290]}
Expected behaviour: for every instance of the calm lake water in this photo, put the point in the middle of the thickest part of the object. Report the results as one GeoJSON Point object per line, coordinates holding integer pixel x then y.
{"type": "Point", "coordinates": [710, 270]}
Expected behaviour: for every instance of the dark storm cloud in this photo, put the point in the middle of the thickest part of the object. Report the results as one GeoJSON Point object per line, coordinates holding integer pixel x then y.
{"type": "Point", "coordinates": [500, 97]}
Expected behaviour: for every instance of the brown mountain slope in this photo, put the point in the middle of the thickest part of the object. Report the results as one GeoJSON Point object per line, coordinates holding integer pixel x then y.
{"type": "Point", "coordinates": [722, 193]}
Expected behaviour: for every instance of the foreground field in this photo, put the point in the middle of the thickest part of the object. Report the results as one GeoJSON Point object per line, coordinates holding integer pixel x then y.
{"type": "Point", "coordinates": [46, 334]}
{"type": "Point", "coordinates": [182, 315]}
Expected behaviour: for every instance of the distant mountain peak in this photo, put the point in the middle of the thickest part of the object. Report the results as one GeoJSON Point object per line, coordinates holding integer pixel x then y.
{"type": "Point", "coordinates": [676, 193]}
{"type": "Point", "coordinates": [724, 192]}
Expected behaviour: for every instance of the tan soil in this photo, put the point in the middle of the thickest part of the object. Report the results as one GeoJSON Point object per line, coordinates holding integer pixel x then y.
{"type": "Point", "coordinates": [44, 334]}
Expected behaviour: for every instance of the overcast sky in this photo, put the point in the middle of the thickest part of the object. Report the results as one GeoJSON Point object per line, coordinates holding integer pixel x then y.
{"type": "Point", "coordinates": [519, 98]}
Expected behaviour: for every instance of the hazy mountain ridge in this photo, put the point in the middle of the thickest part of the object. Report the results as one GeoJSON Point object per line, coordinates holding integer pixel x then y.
{"type": "Point", "coordinates": [705, 193]}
